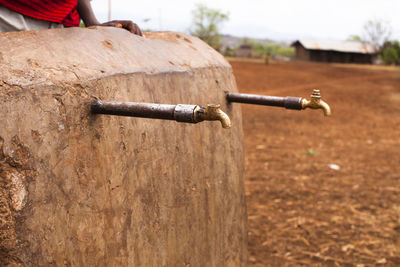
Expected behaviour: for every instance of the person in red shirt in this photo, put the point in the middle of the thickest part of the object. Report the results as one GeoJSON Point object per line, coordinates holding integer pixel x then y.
{"type": "Point", "coordinates": [36, 14]}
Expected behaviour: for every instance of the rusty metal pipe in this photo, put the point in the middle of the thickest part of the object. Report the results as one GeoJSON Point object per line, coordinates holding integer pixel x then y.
{"type": "Point", "coordinates": [133, 109]}
{"type": "Point", "coordinates": [289, 102]}
{"type": "Point", "coordinates": [276, 101]}
{"type": "Point", "coordinates": [180, 113]}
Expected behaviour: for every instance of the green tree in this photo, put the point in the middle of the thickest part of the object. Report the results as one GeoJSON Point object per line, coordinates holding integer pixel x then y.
{"type": "Point", "coordinates": [207, 23]}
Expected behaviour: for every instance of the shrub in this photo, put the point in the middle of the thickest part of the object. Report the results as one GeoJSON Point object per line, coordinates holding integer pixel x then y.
{"type": "Point", "coordinates": [287, 52]}
{"type": "Point", "coordinates": [390, 54]}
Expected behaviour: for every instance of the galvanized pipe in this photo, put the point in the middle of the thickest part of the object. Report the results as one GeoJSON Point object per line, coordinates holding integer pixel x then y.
{"type": "Point", "coordinates": [180, 113]}
{"type": "Point", "coordinates": [132, 109]}
{"type": "Point", "coordinates": [285, 102]}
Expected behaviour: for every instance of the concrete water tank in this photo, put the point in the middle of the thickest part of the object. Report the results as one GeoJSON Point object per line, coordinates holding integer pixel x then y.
{"type": "Point", "coordinates": [78, 189]}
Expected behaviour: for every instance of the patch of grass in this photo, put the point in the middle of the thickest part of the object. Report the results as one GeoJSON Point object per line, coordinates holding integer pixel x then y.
{"type": "Point", "coordinates": [312, 152]}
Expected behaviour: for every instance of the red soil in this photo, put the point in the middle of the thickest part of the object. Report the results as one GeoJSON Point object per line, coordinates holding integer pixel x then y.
{"type": "Point", "coordinates": [302, 212]}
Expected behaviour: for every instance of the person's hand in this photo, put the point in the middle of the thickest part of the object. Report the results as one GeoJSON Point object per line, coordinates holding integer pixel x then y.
{"type": "Point", "coordinates": [125, 24]}
{"type": "Point", "coordinates": [86, 13]}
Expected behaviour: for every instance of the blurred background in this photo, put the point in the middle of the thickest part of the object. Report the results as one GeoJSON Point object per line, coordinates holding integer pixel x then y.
{"type": "Point", "coordinates": [321, 191]}
{"type": "Point", "coordinates": [276, 20]}
{"type": "Point", "coordinates": [268, 26]}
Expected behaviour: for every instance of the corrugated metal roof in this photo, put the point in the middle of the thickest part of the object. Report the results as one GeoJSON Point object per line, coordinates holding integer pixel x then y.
{"type": "Point", "coordinates": [341, 46]}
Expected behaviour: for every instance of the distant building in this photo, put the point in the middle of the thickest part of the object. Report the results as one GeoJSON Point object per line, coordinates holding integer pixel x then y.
{"type": "Point", "coordinates": [245, 50]}
{"type": "Point", "coordinates": [335, 51]}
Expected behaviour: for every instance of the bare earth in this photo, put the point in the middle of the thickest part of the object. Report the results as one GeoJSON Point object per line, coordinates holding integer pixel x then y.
{"type": "Point", "coordinates": [301, 211]}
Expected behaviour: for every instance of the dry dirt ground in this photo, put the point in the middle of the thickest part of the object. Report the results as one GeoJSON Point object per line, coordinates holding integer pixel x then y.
{"type": "Point", "coordinates": [300, 210]}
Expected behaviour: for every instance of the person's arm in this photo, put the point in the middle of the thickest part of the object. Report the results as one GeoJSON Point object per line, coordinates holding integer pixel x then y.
{"type": "Point", "coordinates": [87, 15]}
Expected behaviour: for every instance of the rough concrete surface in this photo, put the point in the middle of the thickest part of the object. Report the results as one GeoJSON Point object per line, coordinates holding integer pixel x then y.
{"type": "Point", "coordinates": [78, 189]}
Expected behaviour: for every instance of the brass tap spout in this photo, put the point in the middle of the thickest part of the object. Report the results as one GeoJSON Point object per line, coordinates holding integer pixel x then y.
{"type": "Point", "coordinates": [316, 103]}
{"type": "Point", "coordinates": [212, 113]}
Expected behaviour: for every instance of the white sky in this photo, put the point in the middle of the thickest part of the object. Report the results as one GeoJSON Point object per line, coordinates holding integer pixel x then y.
{"type": "Point", "coordinates": [278, 19]}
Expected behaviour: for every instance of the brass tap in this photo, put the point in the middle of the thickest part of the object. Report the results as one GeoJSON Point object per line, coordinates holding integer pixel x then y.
{"type": "Point", "coordinates": [316, 103]}
{"type": "Point", "coordinates": [212, 113]}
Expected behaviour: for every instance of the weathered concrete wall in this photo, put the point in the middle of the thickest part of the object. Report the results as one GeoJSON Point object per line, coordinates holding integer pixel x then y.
{"type": "Point", "coordinates": [83, 190]}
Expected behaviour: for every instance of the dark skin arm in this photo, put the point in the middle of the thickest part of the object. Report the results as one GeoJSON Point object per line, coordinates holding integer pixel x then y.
{"type": "Point", "coordinates": [87, 15]}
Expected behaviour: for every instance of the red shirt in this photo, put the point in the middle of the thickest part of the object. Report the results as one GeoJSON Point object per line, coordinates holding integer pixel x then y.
{"type": "Point", "coordinates": [60, 11]}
